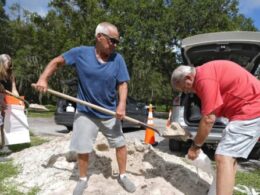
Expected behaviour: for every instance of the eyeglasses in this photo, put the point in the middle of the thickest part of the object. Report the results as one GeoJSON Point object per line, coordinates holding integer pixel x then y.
{"type": "Point", "coordinates": [111, 39]}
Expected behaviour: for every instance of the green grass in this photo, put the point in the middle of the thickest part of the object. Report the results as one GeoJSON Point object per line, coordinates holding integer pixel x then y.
{"type": "Point", "coordinates": [7, 170]}
{"type": "Point", "coordinates": [35, 141]}
{"type": "Point", "coordinates": [45, 114]}
{"type": "Point", "coordinates": [249, 179]}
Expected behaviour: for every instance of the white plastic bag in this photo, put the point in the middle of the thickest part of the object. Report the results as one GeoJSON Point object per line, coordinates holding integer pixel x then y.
{"type": "Point", "coordinates": [16, 128]}
{"type": "Point", "coordinates": [204, 163]}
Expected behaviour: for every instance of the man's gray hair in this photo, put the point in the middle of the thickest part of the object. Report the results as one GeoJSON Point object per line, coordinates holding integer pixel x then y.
{"type": "Point", "coordinates": [104, 28]}
{"type": "Point", "coordinates": [180, 73]}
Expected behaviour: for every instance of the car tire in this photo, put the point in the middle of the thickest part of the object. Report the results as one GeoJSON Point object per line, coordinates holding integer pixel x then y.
{"type": "Point", "coordinates": [255, 154]}
{"type": "Point", "coordinates": [69, 128]}
{"type": "Point", "coordinates": [175, 145]}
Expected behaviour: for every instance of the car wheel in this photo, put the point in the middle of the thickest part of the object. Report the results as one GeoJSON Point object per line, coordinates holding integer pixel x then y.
{"type": "Point", "coordinates": [255, 154]}
{"type": "Point", "coordinates": [175, 145]}
{"type": "Point", "coordinates": [69, 128]}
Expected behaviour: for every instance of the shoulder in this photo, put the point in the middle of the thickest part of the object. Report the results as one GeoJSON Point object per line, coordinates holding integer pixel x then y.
{"type": "Point", "coordinates": [78, 51]}
{"type": "Point", "coordinates": [82, 48]}
{"type": "Point", "coordinates": [118, 57]}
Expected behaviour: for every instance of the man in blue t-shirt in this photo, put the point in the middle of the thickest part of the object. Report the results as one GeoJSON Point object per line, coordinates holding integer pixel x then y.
{"type": "Point", "coordinates": [101, 72]}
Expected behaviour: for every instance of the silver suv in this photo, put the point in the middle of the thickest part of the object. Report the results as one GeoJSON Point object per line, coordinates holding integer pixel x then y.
{"type": "Point", "coordinates": [241, 47]}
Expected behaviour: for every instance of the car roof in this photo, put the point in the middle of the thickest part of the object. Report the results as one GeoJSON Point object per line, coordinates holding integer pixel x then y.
{"type": "Point", "coordinates": [228, 36]}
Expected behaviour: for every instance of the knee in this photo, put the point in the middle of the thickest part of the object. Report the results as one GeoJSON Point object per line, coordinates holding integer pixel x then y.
{"type": "Point", "coordinates": [121, 148]}
{"type": "Point", "coordinates": [222, 160]}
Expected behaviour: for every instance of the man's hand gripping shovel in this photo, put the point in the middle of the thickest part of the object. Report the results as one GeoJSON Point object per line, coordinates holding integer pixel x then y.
{"type": "Point", "coordinates": [169, 132]}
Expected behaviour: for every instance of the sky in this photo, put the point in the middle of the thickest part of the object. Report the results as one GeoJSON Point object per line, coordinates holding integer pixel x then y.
{"type": "Point", "coordinates": [250, 8]}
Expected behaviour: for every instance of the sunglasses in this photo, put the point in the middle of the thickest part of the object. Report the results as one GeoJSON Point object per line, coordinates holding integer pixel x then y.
{"type": "Point", "coordinates": [111, 39]}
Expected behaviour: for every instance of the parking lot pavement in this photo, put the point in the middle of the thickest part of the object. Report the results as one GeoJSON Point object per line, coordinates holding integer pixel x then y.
{"type": "Point", "coordinates": [46, 126]}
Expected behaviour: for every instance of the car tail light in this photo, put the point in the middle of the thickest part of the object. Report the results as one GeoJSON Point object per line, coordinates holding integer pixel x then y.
{"type": "Point", "coordinates": [176, 101]}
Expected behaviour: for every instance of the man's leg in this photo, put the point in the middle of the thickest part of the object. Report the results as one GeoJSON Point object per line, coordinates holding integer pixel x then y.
{"type": "Point", "coordinates": [84, 133]}
{"type": "Point", "coordinates": [83, 167]}
{"type": "Point", "coordinates": [112, 129]}
{"type": "Point", "coordinates": [226, 171]}
{"type": "Point", "coordinates": [83, 164]}
{"type": "Point", "coordinates": [121, 155]}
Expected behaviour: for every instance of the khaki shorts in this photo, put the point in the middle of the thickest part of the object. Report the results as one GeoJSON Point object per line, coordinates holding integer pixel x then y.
{"type": "Point", "coordinates": [85, 131]}
{"type": "Point", "coordinates": [239, 138]}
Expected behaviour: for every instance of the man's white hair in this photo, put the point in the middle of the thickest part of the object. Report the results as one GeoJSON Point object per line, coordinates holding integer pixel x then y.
{"type": "Point", "coordinates": [104, 28]}
{"type": "Point", "coordinates": [180, 73]}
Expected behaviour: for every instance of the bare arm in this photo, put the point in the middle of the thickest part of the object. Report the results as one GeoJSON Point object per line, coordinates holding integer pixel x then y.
{"type": "Point", "coordinates": [205, 126]}
{"type": "Point", "coordinates": [14, 89]}
{"type": "Point", "coordinates": [42, 83]}
{"type": "Point", "coordinates": [120, 110]}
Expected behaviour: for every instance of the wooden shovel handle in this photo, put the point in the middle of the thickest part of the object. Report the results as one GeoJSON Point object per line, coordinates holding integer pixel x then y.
{"type": "Point", "coordinates": [99, 108]}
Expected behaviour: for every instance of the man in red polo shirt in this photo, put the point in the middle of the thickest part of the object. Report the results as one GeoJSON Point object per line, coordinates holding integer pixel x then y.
{"type": "Point", "coordinates": [228, 90]}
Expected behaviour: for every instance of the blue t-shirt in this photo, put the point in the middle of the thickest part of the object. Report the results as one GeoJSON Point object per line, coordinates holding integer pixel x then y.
{"type": "Point", "coordinates": [97, 82]}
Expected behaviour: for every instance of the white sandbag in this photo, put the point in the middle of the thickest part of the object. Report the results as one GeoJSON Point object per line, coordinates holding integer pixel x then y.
{"type": "Point", "coordinates": [16, 128]}
{"type": "Point", "coordinates": [213, 187]}
{"type": "Point", "coordinates": [204, 163]}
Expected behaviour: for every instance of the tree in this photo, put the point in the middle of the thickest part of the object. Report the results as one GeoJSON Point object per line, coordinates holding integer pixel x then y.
{"type": "Point", "coordinates": [149, 31]}
{"type": "Point", "coordinates": [5, 33]}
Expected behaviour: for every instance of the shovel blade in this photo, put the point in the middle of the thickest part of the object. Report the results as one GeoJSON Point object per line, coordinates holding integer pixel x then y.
{"type": "Point", "coordinates": [175, 131]}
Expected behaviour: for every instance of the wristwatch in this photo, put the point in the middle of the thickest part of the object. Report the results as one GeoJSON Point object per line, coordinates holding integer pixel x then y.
{"type": "Point", "coordinates": [196, 146]}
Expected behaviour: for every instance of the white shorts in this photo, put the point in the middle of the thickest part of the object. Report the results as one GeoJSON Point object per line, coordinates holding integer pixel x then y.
{"type": "Point", "coordinates": [239, 138]}
{"type": "Point", "coordinates": [85, 131]}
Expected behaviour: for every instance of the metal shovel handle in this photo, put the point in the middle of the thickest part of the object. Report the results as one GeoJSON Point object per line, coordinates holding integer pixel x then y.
{"type": "Point", "coordinates": [99, 108]}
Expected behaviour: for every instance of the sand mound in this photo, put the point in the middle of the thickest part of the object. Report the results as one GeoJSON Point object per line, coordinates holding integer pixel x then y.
{"type": "Point", "coordinates": [155, 171]}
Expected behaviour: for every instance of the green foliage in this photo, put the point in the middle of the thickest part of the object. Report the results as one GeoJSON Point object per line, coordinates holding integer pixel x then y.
{"type": "Point", "coordinates": [5, 32]}
{"type": "Point", "coordinates": [148, 30]}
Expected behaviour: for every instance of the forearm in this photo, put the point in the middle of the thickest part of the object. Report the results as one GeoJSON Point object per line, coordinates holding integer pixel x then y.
{"type": "Point", "coordinates": [205, 126]}
{"type": "Point", "coordinates": [14, 89]}
{"type": "Point", "coordinates": [122, 91]}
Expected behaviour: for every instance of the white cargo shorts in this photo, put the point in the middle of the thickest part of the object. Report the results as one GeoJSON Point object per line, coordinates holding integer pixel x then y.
{"type": "Point", "coordinates": [239, 138]}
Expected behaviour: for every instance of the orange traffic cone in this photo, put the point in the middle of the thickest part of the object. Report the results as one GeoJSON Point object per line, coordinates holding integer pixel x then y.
{"type": "Point", "coordinates": [149, 134]}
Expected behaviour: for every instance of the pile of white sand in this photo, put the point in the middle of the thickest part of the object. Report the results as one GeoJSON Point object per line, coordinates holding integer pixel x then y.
{"type": "Point", "coordinates": [155, 171]}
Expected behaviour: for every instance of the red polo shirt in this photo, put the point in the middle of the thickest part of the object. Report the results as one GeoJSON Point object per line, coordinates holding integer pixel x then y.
{"type": "Point", "coordinates": [227, 89]}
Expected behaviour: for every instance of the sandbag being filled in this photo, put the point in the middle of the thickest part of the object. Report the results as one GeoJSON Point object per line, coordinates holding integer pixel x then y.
{"type": "Point", "coordinates": [16, 128]}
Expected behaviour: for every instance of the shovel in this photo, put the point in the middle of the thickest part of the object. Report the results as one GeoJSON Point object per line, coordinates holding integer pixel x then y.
{"type": "Point", "coordinates": [112, 113]}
